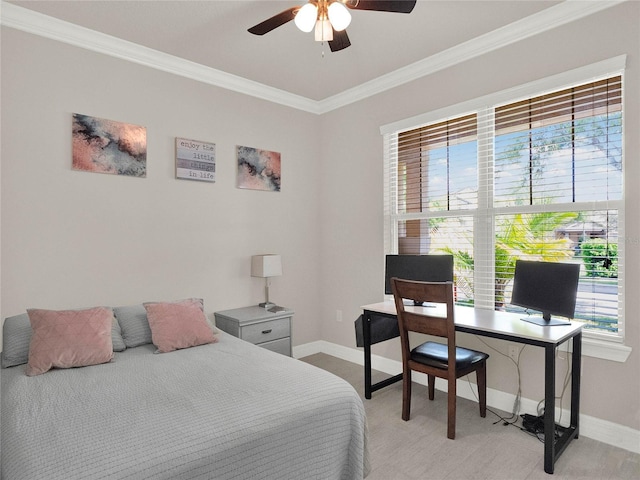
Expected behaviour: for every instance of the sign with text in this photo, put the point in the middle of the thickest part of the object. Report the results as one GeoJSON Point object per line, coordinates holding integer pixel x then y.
{"type": "Point", "coordinates": [195, 160]}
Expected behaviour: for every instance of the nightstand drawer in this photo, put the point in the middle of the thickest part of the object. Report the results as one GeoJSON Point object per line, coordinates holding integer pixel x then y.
{"type": "Point", "coordinates": [266, 331]}
{"type": "Point", "coordinates": [271, 330]}
{"type": "Point", "coordinates": [282, 346]}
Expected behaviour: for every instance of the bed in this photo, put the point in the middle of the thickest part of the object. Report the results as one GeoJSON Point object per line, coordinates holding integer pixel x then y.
{"type": "Point", "coordinates": [225, 410]}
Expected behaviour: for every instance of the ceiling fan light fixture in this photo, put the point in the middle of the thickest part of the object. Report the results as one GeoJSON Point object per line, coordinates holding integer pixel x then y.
{"type": "Point", "coordinates": [306, 17]}
{"type": "Point", "coordinates": [339, 16]}
{"type": "Point", "coordinates": [329, 17]}
{"type": "Point", "coordinates": [324, 32]}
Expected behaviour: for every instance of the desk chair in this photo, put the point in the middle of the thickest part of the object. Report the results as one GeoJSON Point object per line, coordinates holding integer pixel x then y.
{"type": "Point", "coordinates": [443, 360]}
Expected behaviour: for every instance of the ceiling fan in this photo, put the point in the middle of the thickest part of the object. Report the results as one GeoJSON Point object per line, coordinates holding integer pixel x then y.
{"type": "Point", "coordinates": [330, 18]}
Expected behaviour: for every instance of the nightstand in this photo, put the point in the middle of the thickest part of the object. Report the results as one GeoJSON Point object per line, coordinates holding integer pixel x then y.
{"type": "Point", "coordinates": [258, 326]}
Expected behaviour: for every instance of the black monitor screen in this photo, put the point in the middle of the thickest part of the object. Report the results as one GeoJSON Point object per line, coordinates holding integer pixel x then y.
{"type": "Point", "coordinates": [423, 268]}
{"type": "Point", "coordinates": [548, 287]}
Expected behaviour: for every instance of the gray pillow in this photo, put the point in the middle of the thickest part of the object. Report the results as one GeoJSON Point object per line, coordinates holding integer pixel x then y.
{"type": "Point", "coordinates": [16, 337]}
{"type": "Point", "coordinates": [135, 325]}
{"type": "Point", "coordinates": [116, 336]}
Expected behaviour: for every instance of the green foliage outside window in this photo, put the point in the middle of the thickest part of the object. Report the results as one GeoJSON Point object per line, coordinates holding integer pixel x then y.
{"type": "Point", "coordinates": [600, 258]}
{"type": "Point", "coordinates": [520, 236]}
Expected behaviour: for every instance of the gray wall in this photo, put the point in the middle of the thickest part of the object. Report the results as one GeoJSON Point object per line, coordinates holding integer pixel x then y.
{"type": "Point", "coordinates": [72, 239]}
{"type": "Point", "coordinates": [351, 213]}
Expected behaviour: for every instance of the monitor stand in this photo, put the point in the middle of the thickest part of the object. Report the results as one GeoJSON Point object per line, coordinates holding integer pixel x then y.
{"type": "Point", "coordinates": [418, 304]}
{"type": "Point", "coordinates": [543, 322]}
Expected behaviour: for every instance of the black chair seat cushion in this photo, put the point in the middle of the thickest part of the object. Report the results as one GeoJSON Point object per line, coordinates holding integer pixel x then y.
{"type": "Point", "coordinates": [437, 355]}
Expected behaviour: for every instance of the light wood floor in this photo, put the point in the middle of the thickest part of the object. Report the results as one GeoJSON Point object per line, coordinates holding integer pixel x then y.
{"type": "Point", "coordinates": [483, 449]}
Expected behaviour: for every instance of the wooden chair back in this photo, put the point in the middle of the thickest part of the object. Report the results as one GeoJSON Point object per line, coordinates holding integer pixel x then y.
{"type": "Point", "coordinates": [421, 321]}
{"type": "Point", "coordinates": [428, 357]}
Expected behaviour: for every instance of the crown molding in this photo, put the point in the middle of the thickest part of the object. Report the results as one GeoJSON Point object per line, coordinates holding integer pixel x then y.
{"type": "Point", "coordinates": [42, 25]}
{"type": "Point", "coordinates": [550, 18]}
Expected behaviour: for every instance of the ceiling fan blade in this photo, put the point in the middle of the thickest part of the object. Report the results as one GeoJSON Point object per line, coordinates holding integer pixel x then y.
{"type": "Point", "coordinates": [274, 22]}
{"type": "Point", "coordinates": [340, 41]}
{"type": "Point", "coordinates": [398, 6]}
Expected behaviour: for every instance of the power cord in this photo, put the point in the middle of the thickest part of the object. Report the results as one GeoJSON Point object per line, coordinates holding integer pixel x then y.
{"type": "Point", "coordinates": [534, 425]}
{"type": "Point", "coordinates": [531, 424]}
{"type": "Point", "coordinates": [565, 384]}
{"type": "Point", "coordinates": [516, 403]}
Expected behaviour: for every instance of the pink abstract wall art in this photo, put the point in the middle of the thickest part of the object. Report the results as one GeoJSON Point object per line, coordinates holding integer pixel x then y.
{"type": "Point", "coordinates": [258, 169]}
{"type": "Point", "coordinates": [107, 146]}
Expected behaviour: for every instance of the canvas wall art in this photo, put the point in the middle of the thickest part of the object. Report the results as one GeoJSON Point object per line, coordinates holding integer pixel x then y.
{"type": "Point", "coordinates": [258, 169]}
{"type": "Point", "coordinates": [107, 146]}
{"type": "Point", "coordinates": [195, 160]}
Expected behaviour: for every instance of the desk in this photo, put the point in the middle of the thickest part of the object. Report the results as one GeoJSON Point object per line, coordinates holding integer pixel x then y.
{"type": "Point", "coordinates": [505, 326]}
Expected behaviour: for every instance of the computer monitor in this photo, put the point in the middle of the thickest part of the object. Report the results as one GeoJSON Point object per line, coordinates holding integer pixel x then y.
{"type": "Point", "coordinates": [423, 268]}
{"type": "Point", "coordinates": [548, 287]}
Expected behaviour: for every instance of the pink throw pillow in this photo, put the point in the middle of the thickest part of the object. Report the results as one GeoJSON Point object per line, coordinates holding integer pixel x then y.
{"type": "Point", "coordinates": [176, 325]}
{"type": "Point", "coordinates": [69, 338]}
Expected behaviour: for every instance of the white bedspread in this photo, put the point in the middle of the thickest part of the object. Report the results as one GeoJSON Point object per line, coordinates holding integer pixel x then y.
{"type": "Point", "coordinates": [230, 410]}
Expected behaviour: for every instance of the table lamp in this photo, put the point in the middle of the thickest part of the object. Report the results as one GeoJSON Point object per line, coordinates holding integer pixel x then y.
{"type": "Point", "coordinates": [266, 266]}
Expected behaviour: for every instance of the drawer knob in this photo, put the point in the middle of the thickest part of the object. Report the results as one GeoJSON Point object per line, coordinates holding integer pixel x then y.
{"type": "Point", "coordinates": [267, 331]}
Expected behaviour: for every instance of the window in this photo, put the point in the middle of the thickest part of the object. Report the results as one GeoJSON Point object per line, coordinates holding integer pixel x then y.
{"type": "Point", "coordinates": [538, 178]}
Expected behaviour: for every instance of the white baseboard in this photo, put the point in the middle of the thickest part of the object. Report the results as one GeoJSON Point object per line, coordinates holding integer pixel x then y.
{"type": "Point", "coordinates": [591, 427]}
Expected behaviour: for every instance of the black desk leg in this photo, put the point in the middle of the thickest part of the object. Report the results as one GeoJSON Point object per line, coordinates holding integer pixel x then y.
{"type": "Point", "coordinates": [556, 439]}
{"type": "Point", "coordinates": [549, 407]}
{"type": "Point", "coordinates": [369, 388]}
{"type": "Point", "coordinates": [576, 365]}
{"type": "Point", "coordinates": [366, 334]}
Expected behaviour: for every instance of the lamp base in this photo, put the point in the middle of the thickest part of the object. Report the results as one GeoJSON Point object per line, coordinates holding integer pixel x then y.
{"type": "Point", "coordinates": [267, 304]}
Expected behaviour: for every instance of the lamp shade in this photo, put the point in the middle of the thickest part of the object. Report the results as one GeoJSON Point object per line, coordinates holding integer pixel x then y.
{"type": "Point", "coordinates": [269, 265]}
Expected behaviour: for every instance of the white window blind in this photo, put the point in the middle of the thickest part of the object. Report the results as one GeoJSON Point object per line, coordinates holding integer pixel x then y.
{"type": "Point", "coordinates": [538, 178]}
{"type": "Point", "coordinates": [563, 147]}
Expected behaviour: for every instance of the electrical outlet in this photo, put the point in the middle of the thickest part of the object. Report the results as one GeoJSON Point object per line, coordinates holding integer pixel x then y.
{"type": "Point", "coordinates": [338, 315]}
{"type": "Point", "coordinates": [513, 352]}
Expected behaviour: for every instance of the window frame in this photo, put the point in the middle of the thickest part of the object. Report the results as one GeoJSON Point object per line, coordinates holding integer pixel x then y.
{"type": "Point", "coordinates": [599, 344]}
